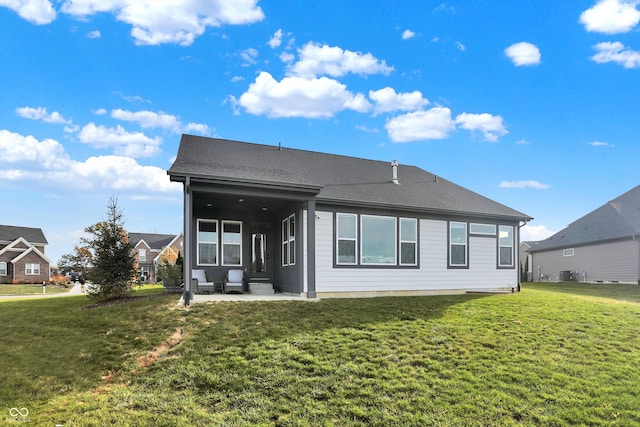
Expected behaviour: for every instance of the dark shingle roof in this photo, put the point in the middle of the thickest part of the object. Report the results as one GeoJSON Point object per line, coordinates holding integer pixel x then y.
{"type": "Point", "coordinates": [616, 219]}
{"type": "Point", "coordinates": [335, 178]}
{"type": "Point", "coordinates": [9, 233]}
{"type": "Point", "coordinates": [155, 241]}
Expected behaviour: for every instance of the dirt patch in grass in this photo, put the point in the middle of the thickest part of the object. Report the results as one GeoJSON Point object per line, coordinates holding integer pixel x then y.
{"type": "Point", "coordinates": [121, 300]}
{"type": "Point", "coordinates": [152, 356]}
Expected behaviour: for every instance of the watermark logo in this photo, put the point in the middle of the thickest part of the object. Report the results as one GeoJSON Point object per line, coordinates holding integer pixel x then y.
{"type": "Point", "coordinates": [19, 413]}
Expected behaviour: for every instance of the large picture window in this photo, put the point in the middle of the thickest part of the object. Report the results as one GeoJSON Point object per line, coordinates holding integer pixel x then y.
{"type": "Point", "coordinates": [207, 242]}
{"type": "Point", "coordinates": [458, 244]}
{"type": "Point", "coordinates": [375, 240]}
{"type": "Point", "coordinates": [378, 240]}
{"type": "Point", "coordinates": [289, 241]}
{"type": "Point", "coordinates": [231, 243]}
{"type": "Point", "coordinates": [505, 246]}
{"type": "Point", "coordinates": [346, 231]}
{"type": "Point", "coordinates": [32, 269]}
{"type": "Point", "coordinates": [408, 241]}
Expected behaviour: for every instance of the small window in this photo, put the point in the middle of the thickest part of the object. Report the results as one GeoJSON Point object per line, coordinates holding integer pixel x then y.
{"type": "Point", "coordinates": [32, 269]}
{"type": "Point", "coordinates": [346, 231]}
{"type": "Point", "coordinates": [231, 243]}
{"type": "Point", "coordinates": [458, 244]}
{"type": "Point", "coordinates": [378, 240]}
{"type": "Point", "coordinates": [482, 229]}
{"type": "Point", "coordinates": [408, 241]}
{"type": "Point", "coordinates": [3, 268]}
{"type": "Point", "coordinates": [289, 241]}
{"type": "Point", "coordinates": [568, 252]}
{"type": "Point", "coordinates": [142, 255]}
{"type": "Point", "coordinates": [207, 242]}
{"type": "Point", "coordinates": [505, 251]}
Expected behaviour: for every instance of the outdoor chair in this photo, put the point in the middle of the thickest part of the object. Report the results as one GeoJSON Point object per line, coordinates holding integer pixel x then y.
{"type": "Point", "coordinates": [234, 282]}
{"type": "Point", "coordinates": [201, 283]}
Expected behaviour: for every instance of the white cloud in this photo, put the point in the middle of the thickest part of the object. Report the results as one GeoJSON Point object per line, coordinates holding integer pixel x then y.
{"type": "Point", "coordinates": [158, 22]}
{"type": "Point", "coordinates": [435, 123]}
{"type": "Point", "coordinates": [535, 232]}
{"type": "Point", "coordinates": [460, 47]}
{"type": "Point", "coordinates": [611, 16]}
{"type": "Point", "coordinates": [197, 128]}
{"type": "Point", "coordinates": [524, 184]}
{"type": "Point", "coordinates": [491, 126]}
{"type": "Point", "coordinates": [601, 144]}
{"type": "Point", "coordinates": [523, 53]}
{"type": "Point", "coordinates": [616, 52]}
{"type": "Point", "coordinates": [318, 60]}
{"type": "Point", "coordinates": [249, 56]}
{"type": "Point", "coordinates": [40, 113]}
{"type": "Point", "coordinates": [19, 149]}
{"type": "Point", "coordinates": [388, 100]}
{"type": "Point", "coordinates": [276, 39]}
{"type": "Point", "coordinates": [37, 12]}
{"type": "Point", "coordinates": [95, 34]}
{"type": "Point", "coordinates": [287, 57]}
{"type": "Point", "coordinates": [299, 97]}
{"type": "Point", "coordinates": [100, 111]}
{"type": "Point", "coordinates": [28, 162]}
{"type": "Point", "coordinates": [408, 34]}
{"type": "Point", "coordinates": [150, 119]}
{"type": "Point", "coordinates": [132, 144]}
{"type": "Point", "coordinates": [522, 142]}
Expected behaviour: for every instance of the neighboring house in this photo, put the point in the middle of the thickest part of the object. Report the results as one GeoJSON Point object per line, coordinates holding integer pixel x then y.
{"type": "Point", "coordinates": [525, 260]}
{"type": "Point", "coordinates": [602, 246]}
{"type": "Point", "coordinates": [148, 248]}
{"type": "Point", "coordinates": [22, 258]}
{"type": "Point", "coordinates": [325, 225]}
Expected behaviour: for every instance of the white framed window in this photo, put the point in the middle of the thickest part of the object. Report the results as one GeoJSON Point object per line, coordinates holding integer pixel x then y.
{"type": "Point", "coordinates": [231, 243]}
{"type": "Point", "coordinates": [347, 234]}
{"type": "Point", "coordinates": [3, 268]}
{"type": "Point", "coordinates": [378, 240]}
{"type": "Point", "coordinates": [207, 242]}
{"type": "Point", "coordinates": [289, 240]}
{"type": "Point", "coordinates": [505, 246]}
{"type": "Point", "coordinates": [458, 244]}
{"type": "Point", "coordinates": [32, 269]}
{"type": "Point", "coordinates": [568, 252]}
{"type": "Point", "coordinates": [142, 255]}
{"type": "Point", "coordinates": [408, 241]}
{"type": "Point", "coordinates": [482, 229]}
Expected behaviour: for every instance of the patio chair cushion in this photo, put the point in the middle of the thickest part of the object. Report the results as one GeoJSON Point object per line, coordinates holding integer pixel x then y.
{"type": "Point", "coordinates": [235, 276]}
{"type": "Point", "coordinates": [200, 275]}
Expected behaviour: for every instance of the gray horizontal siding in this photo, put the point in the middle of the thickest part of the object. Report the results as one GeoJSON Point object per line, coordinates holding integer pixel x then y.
{"type": "Point", "coordinates": [613, 261]}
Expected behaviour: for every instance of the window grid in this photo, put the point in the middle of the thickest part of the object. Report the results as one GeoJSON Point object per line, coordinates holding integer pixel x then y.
{"type": "Point", "coordinates": [207, 242]}
{"type": "Point", "coordinates": [458, 248]}
{"type": "Point", "coordinates": [505, 244]}
{"type": "Point", "coordinates": [289, 241]}
{"type": "Point", "coordinates": [231, 243]}
{"type": "Point", "coordinates": [31, 269]}
{"type": "Point", "coordinates": [408, 241]}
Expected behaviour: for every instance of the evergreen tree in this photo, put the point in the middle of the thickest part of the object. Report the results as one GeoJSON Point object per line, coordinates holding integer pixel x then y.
{"type": "Point", "coordinates": [114, 266]}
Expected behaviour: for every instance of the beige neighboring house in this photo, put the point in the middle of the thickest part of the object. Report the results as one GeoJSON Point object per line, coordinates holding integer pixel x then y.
{"type": "Point", "coordinates": [149, 247]}
{"type": "Point", "coordinates": [22, 258]}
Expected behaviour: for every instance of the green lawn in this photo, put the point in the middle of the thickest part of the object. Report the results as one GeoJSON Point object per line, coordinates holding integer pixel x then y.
{"type": "Point", "coordinates": [30, 290]}
{"type": "Point", "coordinates": [551, 355]}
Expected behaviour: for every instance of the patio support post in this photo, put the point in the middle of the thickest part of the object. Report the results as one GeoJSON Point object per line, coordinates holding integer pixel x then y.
{"type": "Point", "coordinates": [311, 249]}
{"type": "Point", "coordinates": [186, 274]}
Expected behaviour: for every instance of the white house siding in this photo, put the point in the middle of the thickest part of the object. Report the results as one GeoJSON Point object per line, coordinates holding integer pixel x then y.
{"type": "Point", "coordinates": [606, 262]}
{"type": "Point", "coordinates": [432, 275]}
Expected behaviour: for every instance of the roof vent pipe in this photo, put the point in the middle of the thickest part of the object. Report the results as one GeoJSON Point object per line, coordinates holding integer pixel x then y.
{"type": "Point", "coordinates": [394, 169]}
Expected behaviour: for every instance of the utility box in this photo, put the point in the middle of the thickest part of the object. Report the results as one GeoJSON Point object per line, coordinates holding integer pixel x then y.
{"type": "Point", "coordinates": [568, 276]}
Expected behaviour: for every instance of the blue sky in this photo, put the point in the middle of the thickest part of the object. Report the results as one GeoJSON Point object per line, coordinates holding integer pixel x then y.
{"type": "Point", "coordinates": [531, 103]}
